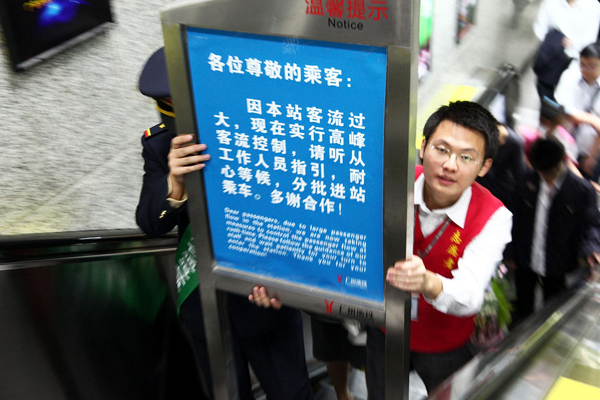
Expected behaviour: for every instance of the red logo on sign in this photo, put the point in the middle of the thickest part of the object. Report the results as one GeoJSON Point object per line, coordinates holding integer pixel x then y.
{"type": "Point", "coordinates": [352, 9]}
{"type": "Point", "coordinates": [340, 278]}
{"type": "Point", "coordinates": [329, 306]}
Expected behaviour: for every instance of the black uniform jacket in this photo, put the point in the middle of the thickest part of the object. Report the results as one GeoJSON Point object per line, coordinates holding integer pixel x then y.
{"type": "Point", "coordinates": [154, 215]}
{"type": "Point", "coordinates": [573, 224]}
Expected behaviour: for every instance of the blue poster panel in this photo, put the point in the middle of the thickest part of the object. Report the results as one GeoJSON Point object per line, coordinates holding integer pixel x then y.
{"type": "Point", "coordinates": [295, 130]}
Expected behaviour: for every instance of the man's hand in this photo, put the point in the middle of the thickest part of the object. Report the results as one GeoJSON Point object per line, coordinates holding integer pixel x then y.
{"type": "Point", "coordinates": [584, 117]}
{"type": "Point", "coordinates": [183, 159]}
{"type": "Point", "coordinates": [593, 259]}
{"type": "Point", "coordinates": [567, 43]}
{"type": "Point", "coordinates": [511, 264]}
{"type": "Point", "coordinates": [260, 297]}
{"type": "Point", "coordinates": [588, 164]}
{"type": "Point", "coordinates": [412, 276]}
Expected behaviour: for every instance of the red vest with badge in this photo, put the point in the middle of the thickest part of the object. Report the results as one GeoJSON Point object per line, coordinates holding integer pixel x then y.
{"type": "Point", "coordinates": [434, 331]}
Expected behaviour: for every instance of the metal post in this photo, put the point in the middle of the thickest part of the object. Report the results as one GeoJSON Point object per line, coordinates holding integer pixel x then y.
{"type": "Point", "coordinates": [399, 222]}
{"type": "Point", "coordinates": [214, 308]}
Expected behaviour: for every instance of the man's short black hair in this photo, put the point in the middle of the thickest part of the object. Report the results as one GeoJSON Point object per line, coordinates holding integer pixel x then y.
{"type": "Point", "coordinates": [469, 115]}
{"type": "Point", "coordinates": [591, 51]}
{"type": "Point", "coordinates": [546, 154]}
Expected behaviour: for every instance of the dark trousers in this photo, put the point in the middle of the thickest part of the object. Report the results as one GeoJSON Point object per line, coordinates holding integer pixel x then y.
{"type": "Point", "coordinates": [525, 281]}
{"type": "Point", "coordinates": [331, 343]}
{"type": "Point", "coordinates": [192, 319]}
{"type": "Point", "coordinates": [433, 368]}
{"type": "Point", "coordinates": [270, 341]}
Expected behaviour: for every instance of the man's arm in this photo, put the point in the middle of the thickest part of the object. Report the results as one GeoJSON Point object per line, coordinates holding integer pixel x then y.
{"type": "Point", "coordinates": [157, 215]}
{"type": "Point", "coordinates": [566, 88]}
{"type": "Point", "coordinates": [587, 118]}
{"type": "Point", "coordinates": [589, 162]}
{"type": "Point", "coordinates": [154, 215]}
{"type": "Point", "coordinates": [541, 23]}
{"type": "Point", "coordinates": [463, 294]}
{"type": "Point", "coordinates": [591, 225]}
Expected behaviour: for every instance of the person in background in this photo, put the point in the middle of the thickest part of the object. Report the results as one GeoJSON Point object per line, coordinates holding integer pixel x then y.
{"type": "Point", "coordinates": [508, 167]}
{"type": "Point", "coordinates": [555, 220]}
{"type": "Point", "coordinates": [271, 341]}
{"type": "Point", "coordinates": [161, 208]}
{"type": "Point", "coordinates": [460, 232]}
{"type": "Point", "coordinates": [564, 27]}
{"type": "Point", "coordinates": [552, 118]}
{"type": "Point", "coordinates": [339, 345]}
{"type": "Point", "coordinates": [578, 91]}
{"type": "Point", "coordinates": [577, 20]}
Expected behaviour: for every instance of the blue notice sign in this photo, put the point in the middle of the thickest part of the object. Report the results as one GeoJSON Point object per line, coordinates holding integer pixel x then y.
{"type": "Point", "coordinates": [295, 129]}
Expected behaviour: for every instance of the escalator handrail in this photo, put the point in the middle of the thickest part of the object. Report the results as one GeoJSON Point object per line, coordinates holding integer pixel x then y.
{"type": "Point", "coordinates": [487, 372]}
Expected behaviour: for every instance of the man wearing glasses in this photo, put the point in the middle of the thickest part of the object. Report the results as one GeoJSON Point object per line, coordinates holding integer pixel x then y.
{"type": "Point", "coordinates": [461, 230]}
{"type": "Point", "coordinates": [579, 92]}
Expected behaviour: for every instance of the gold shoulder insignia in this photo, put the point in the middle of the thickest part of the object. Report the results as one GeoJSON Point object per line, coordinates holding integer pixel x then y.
{"type": "Point", "coordinates": [155, 130]}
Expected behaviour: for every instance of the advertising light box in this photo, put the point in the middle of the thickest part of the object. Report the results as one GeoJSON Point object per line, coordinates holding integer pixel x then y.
{"type": "Point", "coordinates": [295, 129]}
{"type": "Point", "coordinates": [36, 29]}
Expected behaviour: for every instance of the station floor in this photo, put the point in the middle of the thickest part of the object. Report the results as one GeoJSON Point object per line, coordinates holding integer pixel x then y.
{"type": "Point", "coordinates": [358, 388]}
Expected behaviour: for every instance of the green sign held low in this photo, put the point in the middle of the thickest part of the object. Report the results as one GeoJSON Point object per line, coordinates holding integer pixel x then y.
{"type": "Point", "coordinates": [185, 266]}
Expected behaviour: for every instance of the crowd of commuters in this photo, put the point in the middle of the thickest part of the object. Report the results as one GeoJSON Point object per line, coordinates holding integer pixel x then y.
{"type": "Point", "coordinates": [556, 224]}
{"type": "Point", "coordinates": [564, 28]}
{"type": "Point", "coordinates": [484, 193]}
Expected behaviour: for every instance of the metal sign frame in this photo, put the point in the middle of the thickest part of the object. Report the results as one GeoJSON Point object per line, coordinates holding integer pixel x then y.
{"type": "Point", "coordinates": [397, 31]}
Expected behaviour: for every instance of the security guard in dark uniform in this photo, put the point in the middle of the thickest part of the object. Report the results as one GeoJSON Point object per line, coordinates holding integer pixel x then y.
{"type": "Point", "coordinates": [271, 341]}
{"type": "Point", "coordinates": [157, 216]}
{"type": "Point", "coordinates": [154, 214]}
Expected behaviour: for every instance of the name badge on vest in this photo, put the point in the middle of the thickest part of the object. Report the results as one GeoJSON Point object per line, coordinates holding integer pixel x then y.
{"type": "Point", "coordinates": [414, 307]}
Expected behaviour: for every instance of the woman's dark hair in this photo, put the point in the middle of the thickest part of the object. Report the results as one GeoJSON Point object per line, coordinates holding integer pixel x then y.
{"type": "Point", "coordinates": [469, 115]}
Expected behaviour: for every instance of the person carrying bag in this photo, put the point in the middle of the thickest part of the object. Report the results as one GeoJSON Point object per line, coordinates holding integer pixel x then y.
{"type": "Point", "coordinates": [550, 62]}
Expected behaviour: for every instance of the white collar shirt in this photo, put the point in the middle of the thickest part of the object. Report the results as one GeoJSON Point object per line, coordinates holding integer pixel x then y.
{"type": "Point", "coordinates": [578, 21]}
{"type": "Point", "coordinates": [574, 93]}
{"type": "Point", "coordinates": [546, 194]}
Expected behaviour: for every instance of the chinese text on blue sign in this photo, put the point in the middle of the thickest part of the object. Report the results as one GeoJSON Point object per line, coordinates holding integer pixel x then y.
{"type": "Point", "coordinates": [295, 183]}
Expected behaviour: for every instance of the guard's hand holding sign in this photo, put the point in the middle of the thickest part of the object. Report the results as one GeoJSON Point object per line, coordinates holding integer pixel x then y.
{"type": "Point", "coordinates": [184, 157]}
{"type": "Point", "coordinates": [261, 298]}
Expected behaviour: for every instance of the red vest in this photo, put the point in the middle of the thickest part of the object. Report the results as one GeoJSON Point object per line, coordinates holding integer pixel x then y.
{"type": "Point", "coordinates": [434, 331]}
